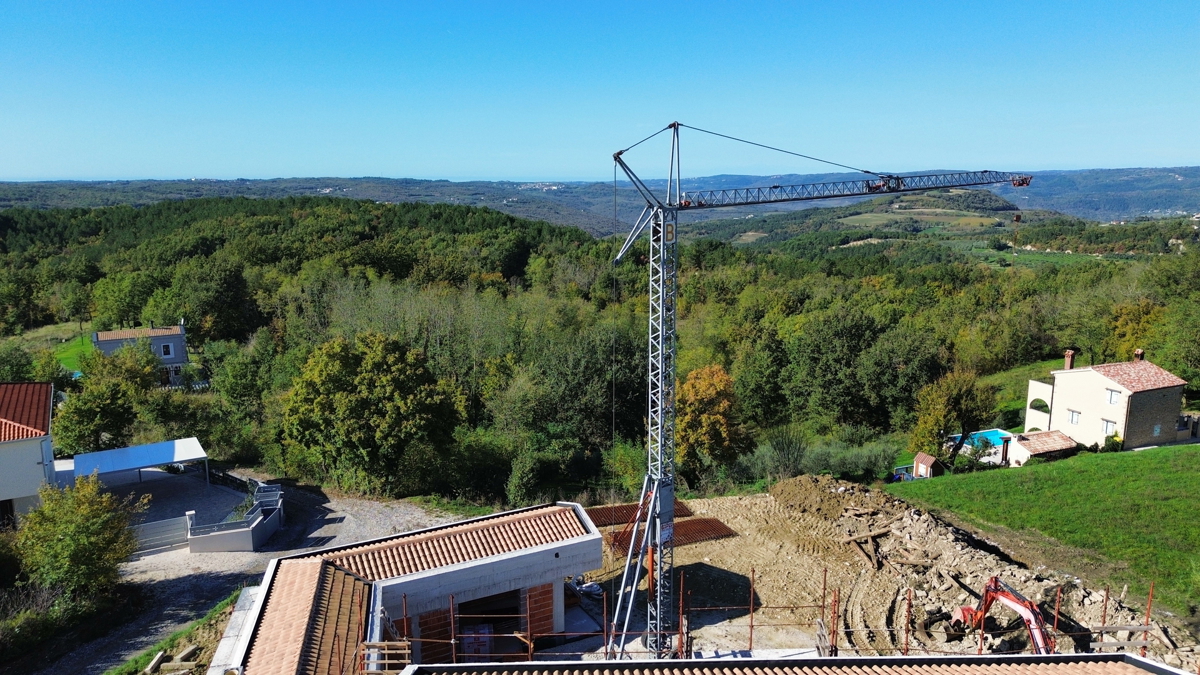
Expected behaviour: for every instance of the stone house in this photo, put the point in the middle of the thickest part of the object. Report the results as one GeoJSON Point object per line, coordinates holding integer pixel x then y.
{"type": "Point", "coordinates": [168, 343]}
{"type": "Point", "coordinates": [1136, 400]}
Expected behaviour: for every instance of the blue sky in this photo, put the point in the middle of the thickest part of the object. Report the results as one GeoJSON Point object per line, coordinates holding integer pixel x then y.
{"type": "Point", "coordinates": [531, 91]}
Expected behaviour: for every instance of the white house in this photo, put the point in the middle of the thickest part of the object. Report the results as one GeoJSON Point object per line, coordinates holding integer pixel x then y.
{"type": "Point", "coordinates": [26, 457]}
{"type": "Point", "coordinates": [168, 343]}
{"type": "Point", "coordinates": [1134, 400]}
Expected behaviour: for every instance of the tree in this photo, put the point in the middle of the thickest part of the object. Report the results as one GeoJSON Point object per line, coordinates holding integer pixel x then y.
{"type": "Point", "coordinates": [16, 363]}
{"type": "Point", "coordinates": [1174, 341]}
{"type": "Point", "coordinates": [898, 365]}
{"type": "Point", "coordinates": [100, 417]}
{"type": "Point", "coordinates": [1131, 324]}
{"type": "Point", "coordinates": [370, 416]}
{"type": "Point", "coordinates": [78, 537]}
{"type": "Point", "coordinates": [708, 432]}
{"type": "Point", "coordinates": [757, 379]}
{"type": "Point", "coordinates": [47, 368]}
{"type": "Point", "coordinates": [822, 379]}
{"type": "Point", "coordinates": [957, 402]}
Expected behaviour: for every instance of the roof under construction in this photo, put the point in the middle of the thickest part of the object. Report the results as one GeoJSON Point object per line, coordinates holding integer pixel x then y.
{"type": "Point", "coordinates": [315, 610]}
{"type": "Point", "coordinates": [1054, 664]}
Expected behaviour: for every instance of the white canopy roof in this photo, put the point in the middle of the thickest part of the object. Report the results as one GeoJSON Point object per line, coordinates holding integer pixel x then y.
{"type": "Point", "coordinates": [139, 457]}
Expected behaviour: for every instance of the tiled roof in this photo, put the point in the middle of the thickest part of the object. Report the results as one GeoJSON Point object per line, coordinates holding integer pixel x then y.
{"type": "Point", "coordinates": [1139, 375]}
{"type": "Point", "coordinates": [453, 544]}
{"type": "Point", "coordinates": [315, 618]}
{"type": "Point", "coordinates": [24, 410]}
{"type": "Point", "coordinates": [316, 605]}
{"type": "Point", "coordinates": [138, 333]}
{"type": "Point", "coordinates": [1038, 442]}
{"type": "Point", "coordinates": [922, 458]}
{"type": "Point", "coordinates": [1070, 664]}
{"type": "Point", "coordinates": [280, 639]}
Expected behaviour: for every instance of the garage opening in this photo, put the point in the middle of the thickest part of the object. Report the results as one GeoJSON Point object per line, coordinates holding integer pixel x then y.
{"type": "Point", "coordinates": [486, 626]}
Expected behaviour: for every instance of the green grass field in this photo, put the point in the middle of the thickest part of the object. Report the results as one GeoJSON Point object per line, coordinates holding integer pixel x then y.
{"type": "Point", "coordinates": [1137, 508]}
{"type": "Point", "coordinates": [1014, 384]}
{"type": "Point", "coordinates": [68, 352]}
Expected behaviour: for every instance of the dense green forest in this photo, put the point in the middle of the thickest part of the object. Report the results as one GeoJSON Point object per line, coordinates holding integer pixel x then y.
{"type": "Point", "coordinates": [435, 349]}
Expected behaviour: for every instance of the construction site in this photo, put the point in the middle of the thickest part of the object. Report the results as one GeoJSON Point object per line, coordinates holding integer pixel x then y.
{"type": "Point", "coordinates": [818, 569]}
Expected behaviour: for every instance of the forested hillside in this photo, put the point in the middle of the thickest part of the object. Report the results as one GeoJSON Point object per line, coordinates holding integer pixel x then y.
{"type": "Point", "coordinates": [416, 348]}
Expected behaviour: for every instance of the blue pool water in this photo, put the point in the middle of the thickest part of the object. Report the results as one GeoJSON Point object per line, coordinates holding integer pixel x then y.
{"type": "Point", "coordinates": [995, 437]}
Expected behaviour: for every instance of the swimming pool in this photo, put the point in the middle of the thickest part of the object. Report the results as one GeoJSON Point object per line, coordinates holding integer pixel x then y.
{"type": "Point", "coordinates": [994, 436]}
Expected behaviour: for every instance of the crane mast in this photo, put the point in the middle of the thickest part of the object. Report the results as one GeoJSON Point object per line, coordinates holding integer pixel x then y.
{"type": "Point", "coordinates": [651, 541]}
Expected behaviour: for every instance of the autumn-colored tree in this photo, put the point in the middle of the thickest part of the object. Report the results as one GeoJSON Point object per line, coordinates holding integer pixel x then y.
{"type": "Point", "coordinates": [1131, 325]}
{"type": "Point", "coordinates": [708, 432]}
{"type": "Point", "coordinates": [956, 403]}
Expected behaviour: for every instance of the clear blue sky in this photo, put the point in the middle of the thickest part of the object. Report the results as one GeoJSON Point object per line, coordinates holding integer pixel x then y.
{"type": "Point", "coordinates": [504, 91]}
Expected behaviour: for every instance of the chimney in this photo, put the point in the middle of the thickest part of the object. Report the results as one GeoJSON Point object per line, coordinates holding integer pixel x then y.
{"type": "Point", "coordinates": [1139, 355]}
{"type": "Point", "coordinates": [1069, 359]}
{"type": "Point", "coordinates": [1004, 451]}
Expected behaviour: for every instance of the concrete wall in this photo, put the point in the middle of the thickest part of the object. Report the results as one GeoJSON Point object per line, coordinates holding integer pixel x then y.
{"type": "Point", "coordinates": [1086, 392]}
{"type": "Point", "coordinates": [239, 539]}
{"type": "Point", "coordinates": [1036, 419]}
{"type": "Point", "coordinates": [22, 470]}
{"type": "Point", "coordinates": [551, 563]}
{"type": "Point", "coordinates": [1153, 416]}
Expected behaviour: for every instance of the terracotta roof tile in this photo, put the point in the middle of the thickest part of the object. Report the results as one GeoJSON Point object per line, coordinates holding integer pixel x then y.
{"type": "Point", "coordinates": [1039, 442]}
{"type": "Point", "coordinates": [138, 333]}
{"type": "Point", "coordinates": [1139, 375]}
{"type": "Point", "coordinates": [1075, 664]}
{"type": "Point", "coordinates": [24, 410]}
{"type": "Point", "coordinates": [453, 544]}
{"type": "Point", "coordinates": [279, 640]}
{"type": "Point", "coordinates": [925, 459]}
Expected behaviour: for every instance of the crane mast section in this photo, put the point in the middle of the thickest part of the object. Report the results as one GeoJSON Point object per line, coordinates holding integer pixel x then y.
{"type": "Point", "coordinates": [711, 199]}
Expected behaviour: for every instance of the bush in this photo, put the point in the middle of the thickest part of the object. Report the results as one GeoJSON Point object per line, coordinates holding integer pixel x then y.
{"type": "Point", "coordinates": [1113, 444]}
{"type": "Point", "coordinates": [625, 464]}
{"type": "Point", "coordinates": [779, 456]}
{"type": "Point", "coordinates": [870, 461]}
{"type": "Point", "coordinates": [77, 538]}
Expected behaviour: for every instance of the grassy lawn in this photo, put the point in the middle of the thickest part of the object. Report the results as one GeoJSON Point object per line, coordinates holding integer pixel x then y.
{"type": "Point", "coordinates": [65, 339]}
{"type": "Point", "coordinates": [1014, 384]}
{"type": "Point", "coordinates": [1138, 508]}
{"type": "Point", "coordinates": [68, 353]}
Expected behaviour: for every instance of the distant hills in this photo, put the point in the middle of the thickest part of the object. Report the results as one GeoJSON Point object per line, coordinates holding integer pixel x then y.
{"type": "Point", "coordinates": [1096, 194]}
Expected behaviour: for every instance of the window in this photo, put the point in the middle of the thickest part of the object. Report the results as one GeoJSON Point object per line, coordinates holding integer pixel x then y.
{"type": "Point", "coordinates": [166, 350]}
{"type": "Point", "coordinates": [1157, 429]}
{"type": "Point", "coordinates": [1114, 397]}
{"type": "Point", "coordinates": [1074, 416]}
{"type": "Point", "coordinates": [1110, 428]}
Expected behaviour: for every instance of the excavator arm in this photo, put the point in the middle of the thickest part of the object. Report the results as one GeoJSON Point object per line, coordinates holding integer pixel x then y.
{"type": "Point", "coordinates": [998, 591]}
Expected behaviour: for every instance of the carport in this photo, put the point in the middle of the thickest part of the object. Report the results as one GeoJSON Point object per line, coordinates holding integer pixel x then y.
{"type": "Point", "coordinates": [138, 457]}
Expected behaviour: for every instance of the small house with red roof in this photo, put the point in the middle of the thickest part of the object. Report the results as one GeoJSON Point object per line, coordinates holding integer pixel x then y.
{"type": "Point", "coordinates": [26, 457]}
{"type": "Point", "coordinates": [1137, 401]}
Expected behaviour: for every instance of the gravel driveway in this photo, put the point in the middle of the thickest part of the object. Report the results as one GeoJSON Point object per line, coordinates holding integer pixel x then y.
{"type": "Point", "coordinates": [182, 586]}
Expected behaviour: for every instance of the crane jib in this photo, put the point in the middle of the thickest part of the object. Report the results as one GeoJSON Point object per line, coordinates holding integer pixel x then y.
{"type": "Point", "coordinates": [709, 199]}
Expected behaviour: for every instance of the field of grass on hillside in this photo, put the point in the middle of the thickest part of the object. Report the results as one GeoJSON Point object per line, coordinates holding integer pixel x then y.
{"type": "Point", "coordinates": [1139, 508]}
{"type": "Point", "coordinates": [1014, 384]}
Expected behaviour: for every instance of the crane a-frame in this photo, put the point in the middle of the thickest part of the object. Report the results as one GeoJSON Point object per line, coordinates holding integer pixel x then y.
{"type": "Point", "coordinates": [651, 540]}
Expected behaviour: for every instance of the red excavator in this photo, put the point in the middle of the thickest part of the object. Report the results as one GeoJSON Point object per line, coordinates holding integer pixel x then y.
{"type": "Point", "coordinates": [996, 590]}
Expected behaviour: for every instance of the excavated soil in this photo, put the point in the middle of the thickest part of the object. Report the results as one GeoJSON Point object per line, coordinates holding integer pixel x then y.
{"type": "Point", "coordinates": [791, 543]}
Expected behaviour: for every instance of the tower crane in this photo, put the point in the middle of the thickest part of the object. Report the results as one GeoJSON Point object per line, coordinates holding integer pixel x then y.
{"type": "Point", "coordinates": [651, 539]}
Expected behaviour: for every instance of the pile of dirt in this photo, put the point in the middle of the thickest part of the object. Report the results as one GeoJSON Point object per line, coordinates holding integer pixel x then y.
{"type": "Point", "coordinates": [815, 535]}
{"type": "Point", "coordinates": [827, 497]}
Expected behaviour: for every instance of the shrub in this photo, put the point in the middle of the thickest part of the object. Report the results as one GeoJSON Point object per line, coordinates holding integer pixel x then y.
{"type": "Point", "coordinates": [625, 463]}
{"type": "Point", "coordinates": [870, 461]}
{"type": "Point", "coordinates": [77, 538]}
{"type": "Point", "coordinates": [779, 456]}
{"type": "Point", "coordinates": [1113, 444]}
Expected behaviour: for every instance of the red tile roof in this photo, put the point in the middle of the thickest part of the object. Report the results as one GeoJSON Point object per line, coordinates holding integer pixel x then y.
{"type": "Point", "coordinates": [409, 553]}
{"type": "Point", "coordinates": [1039, 442]}
{"type": "Point", "coordinates": [310, 599]}
{"type": "Point", "coordinates": [24, 410]}
{"type": "Point", "coordinates": [924, 459]}
{"type": "Point", "coordinates": [276, 650]}
{"type": "Point", "coordinates": [1069, 664]}
{"type": "Point", "coordinates": [1139, 375]}
{"type": "Point", "coordinates": [138, 333]}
